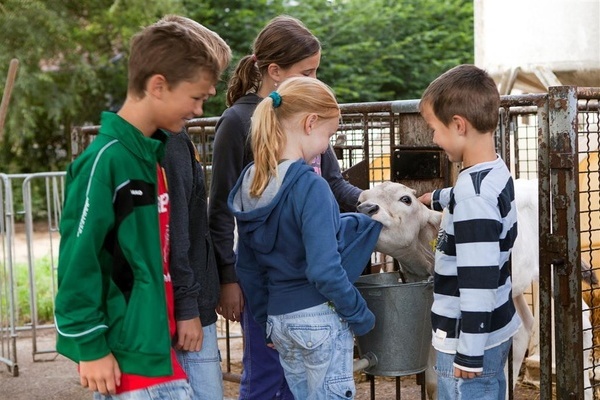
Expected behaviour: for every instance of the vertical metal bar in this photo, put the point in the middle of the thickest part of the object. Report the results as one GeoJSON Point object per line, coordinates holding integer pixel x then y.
{"type": "Point", "coordinates": [545, 273]}
{"type": "Point", "coordinates": [11, 355]}
{"type": "Point", "coordinates": [366, 143]}
{"type": "Point", "coordinates": [513, 129]}
{"type": "Point", "coordinates": [393, 121]}
{"type": "Point", "coordinates": [562, 115]}
{"type": "Point", "coordinates": [503, 147]}
{"type": "Point", "coordinates": [53, 202]}
{"type": "Point", "coordinates": [504, 136]}
{"type": "Point", "coordinates": [27, 203]}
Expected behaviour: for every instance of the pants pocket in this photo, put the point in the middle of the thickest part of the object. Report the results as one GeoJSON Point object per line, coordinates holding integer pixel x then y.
{"type": "Point", "coordinates": [341, 388]}
{"type": "Point", "coordinates": [313, 341]}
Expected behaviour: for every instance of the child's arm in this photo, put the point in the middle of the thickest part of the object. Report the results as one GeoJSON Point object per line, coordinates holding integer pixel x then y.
{"type": "Point", "coordinates": [229, 152]}
{"type": "Point", "coordinates": [440, 198]}
{"type": "Point", "coordinates": [254, 279]}
{"type": "Point", "coordinates": [80, 302]}
{"type": "Point", "coordinates": [345, 193]}
{"type": "Point", "coordinates": [320, 223]}
{"type": "Point", "coordinates": [102, 375]}
{"type": "Point", "coordinates": [179, 168]}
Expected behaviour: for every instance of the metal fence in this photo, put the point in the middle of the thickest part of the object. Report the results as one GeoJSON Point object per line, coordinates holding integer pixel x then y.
{"type": "Point", "coordinates": [551, 136]}
{"type": "Point", "coordinates": [27, 279]}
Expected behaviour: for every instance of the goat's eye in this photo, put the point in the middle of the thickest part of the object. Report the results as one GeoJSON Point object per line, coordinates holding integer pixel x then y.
{"type": "Point", "coordinates": [406, 200]}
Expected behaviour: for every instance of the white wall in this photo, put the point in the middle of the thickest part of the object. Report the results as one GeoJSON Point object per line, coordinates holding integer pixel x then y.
{"type": "Point", "coordinates": [562, 35]}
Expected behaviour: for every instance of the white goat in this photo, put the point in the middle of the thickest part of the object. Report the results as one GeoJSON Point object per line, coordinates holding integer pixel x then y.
{"type": "Point", "coordinates": [410, 228]}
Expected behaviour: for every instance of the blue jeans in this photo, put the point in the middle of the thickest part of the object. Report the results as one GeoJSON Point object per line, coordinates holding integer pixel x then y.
{"type": "Point", "coordinates": [203, 367]}
{"type": "Point", "coordinates": [262, 375]}
{"type": "Point", "coordinates": [174, 390]}
{"type": "Point", "coordinates": [491, 385]}
{"type": "Point", "coordinates": [316, 351]}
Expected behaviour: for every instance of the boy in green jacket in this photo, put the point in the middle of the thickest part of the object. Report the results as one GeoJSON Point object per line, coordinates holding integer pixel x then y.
{"type": "Point", "coordinates": [114, 306]}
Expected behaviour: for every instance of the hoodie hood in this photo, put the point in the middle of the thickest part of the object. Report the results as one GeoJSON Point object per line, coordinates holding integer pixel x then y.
{"type": "Point", "coordinates": [257, 217]}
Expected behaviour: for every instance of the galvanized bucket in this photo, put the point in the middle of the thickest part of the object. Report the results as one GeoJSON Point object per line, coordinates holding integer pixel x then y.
{"type": "Point", "coordinates": [401, 339]}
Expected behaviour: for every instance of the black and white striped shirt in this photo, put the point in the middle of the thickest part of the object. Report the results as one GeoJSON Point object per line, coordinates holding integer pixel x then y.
{"type": "Point", "coordinates": [473, 309]}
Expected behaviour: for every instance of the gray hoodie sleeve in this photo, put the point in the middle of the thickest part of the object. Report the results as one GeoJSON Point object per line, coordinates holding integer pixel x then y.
{"type": "Point", "coordinates": [345, 193]}
{"type": "Point", "coordinates": [179, 171]}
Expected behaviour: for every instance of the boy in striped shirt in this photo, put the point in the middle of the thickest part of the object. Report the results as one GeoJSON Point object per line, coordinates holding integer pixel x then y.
{"type": "Point", "coordinates": [473, 316]}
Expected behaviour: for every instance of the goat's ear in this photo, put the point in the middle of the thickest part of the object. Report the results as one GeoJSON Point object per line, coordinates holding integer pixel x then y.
{"type": "Point", "coordinates": [428, 234]}
{"type": "Point", "coordinates": [435, 219]}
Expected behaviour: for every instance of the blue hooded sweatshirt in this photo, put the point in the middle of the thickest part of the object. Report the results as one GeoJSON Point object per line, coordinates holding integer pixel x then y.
{"type": "Point", "coordinates": [295, 249]}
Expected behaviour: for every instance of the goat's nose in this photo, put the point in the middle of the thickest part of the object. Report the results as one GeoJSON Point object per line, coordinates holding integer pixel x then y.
{"type": "Point", "coordinates": [368, 208]}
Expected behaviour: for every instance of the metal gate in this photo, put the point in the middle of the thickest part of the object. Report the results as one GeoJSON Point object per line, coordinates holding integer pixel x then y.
{"type": "Point", "coordinates": [25, 198]}
{"type": "Point", "coordinates": [568, 155]}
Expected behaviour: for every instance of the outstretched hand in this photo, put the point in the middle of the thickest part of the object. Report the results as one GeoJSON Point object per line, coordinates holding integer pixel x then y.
{"type": "Point", "coordinates": [425, 199]}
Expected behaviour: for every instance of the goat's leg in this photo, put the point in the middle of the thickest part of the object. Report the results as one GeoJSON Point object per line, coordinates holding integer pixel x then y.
{"type": "Point", "coordinates": [431, 376]}
{"type": "Point", "coordinates": [587, 352]}
{"type": "Point", "coordinates": [521, 338]}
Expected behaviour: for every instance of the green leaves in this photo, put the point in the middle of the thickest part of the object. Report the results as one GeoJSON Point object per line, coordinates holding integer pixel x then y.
{"type": "Point", "coordinates": [73, 56]}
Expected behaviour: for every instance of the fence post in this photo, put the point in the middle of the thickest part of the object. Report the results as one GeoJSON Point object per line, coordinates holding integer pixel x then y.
{"type": "Point", "coordinates": [562, 243]}
{"type": "Point", "coordinates": [8, 335]}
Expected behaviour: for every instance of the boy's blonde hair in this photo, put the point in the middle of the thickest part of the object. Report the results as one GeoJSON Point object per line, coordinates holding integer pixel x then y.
{"type": "Point", "coordinates": [467, 91]}
{"type": "Point", "coordinates": [299, 96]}
{"type": "Point", "coordinates": [177, 48]}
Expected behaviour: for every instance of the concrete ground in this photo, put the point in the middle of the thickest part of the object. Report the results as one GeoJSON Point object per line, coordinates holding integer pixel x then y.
{"type": "Point", "coordinates": [53, 379]}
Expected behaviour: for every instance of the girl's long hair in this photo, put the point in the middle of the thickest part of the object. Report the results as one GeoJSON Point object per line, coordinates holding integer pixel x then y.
{"type": "Point", "coordinates": [283, 41]}
{"type": "Point", "coordinates": [299, 96]}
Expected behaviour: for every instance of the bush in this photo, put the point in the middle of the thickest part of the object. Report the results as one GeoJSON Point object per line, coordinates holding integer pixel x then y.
{"type": "Point", "coordinates": [43, 289]}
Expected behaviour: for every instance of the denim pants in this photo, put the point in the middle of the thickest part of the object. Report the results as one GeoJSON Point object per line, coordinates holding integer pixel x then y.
{"type": "Point", "coordinates": [491, 385]}
{"type": "Point", "coordinates": [262, 374]}
{"type": "Point", "coordinates": [203, 368]}
{"type": "Point", "coordinates": [316, 351]}
{"type": "Point", "coordinates": [174, 390]}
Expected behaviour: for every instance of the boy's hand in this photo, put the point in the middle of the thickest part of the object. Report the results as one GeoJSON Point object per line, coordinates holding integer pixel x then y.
{"type": "Point", "coordinates": [459, 373]}
{"type": "Point", "coordinates": [102, 375]}
{"type": "Point", "coordinates": [189, 335]}
{"type": "Point", "coordinates": [231, 302]}
{"type": "Point", "coordinates": [425, 199]}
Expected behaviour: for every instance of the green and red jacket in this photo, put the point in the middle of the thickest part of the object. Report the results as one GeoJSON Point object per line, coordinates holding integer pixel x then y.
{"type": "Point", "coordinates": [111, 291]}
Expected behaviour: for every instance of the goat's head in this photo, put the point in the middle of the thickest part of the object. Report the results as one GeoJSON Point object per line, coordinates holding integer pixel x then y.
{"type": "Point", "coordinates": [409, 227]}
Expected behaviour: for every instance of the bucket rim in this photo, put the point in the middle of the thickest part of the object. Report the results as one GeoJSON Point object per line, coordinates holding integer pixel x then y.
{"type": "Point", "coordinates": [358, 283]}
